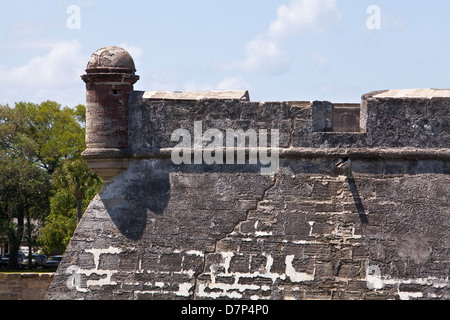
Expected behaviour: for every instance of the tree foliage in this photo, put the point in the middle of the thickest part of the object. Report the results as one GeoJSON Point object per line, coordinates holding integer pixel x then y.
{"type": "Point", "coordinates": [24, 194]}
{"type": "Point", "coordinates": [42, 175]}
{"type": "Point", "coordinates": [76, 177]}
{"type": "Point", "coordinates": [52, 133]}
{"type": "Point", "coordinates": [76, 185]}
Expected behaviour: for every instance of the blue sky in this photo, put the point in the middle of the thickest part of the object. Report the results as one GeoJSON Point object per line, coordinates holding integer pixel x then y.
{"type": "Point", "coordinates": [278, 49]}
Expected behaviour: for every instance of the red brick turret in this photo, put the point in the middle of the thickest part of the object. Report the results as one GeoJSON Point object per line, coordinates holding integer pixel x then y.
{"type": "Point", "coordinates": [109, 78]}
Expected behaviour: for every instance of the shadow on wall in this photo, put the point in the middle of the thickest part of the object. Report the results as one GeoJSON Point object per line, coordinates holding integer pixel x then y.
{"type": "Point", "coordinates": [344, 166]}
{"type": "Point", "coordinates": [145, 189]}
{"type": "Point", "coordinates": [357, 199]}
{"type": "Point", "coordinates": [129, 196]}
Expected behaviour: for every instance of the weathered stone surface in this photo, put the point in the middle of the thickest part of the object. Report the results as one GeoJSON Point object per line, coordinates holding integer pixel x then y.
{"type": "Point", "coordinates": [402, 121]}
{"type": "Point", "coordinates": [183, 232]}
{"type": "Point", "coordinates": [24, 286]}
{"type": "Point", "coordinates": [109, 79]}
{"type": "Point", "coordinates": [346, 118]}
{"type": "Point", "coordinates": [241, 95]}
{"type": "Point", "coordinates": [111, 58]}
{"type": "Point", "coordinates": [415, 93]}
{"type": "Point", "coordinates": [354, 214]}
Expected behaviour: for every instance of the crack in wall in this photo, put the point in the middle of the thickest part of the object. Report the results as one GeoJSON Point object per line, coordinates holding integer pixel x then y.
{"type": "Point", "coordinates": [272, 185]}
{"type": "Point", "coordinates": [227, 234]}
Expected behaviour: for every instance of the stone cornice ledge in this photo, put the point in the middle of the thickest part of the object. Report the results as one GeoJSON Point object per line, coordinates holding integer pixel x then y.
{"type": "Point", "coordinates": [106, 153]}
{"type": "Point", "coordinates": [354, 153]}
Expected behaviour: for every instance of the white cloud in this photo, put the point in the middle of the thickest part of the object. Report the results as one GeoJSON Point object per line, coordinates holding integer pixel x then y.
{"type": "Point", "coordinates": [265, 53]}
{"type": "Point", "coordinates": [301, 16]}
{"type": "Point", "coordinates": [194, 85]}
{"type": "Point", "coordinates": [160, 80]}
{"type": "Point", "coordinates": [227, 83]}
{"type": "Point", "coordinates": [233, 83]}
{"type": "Point", "coordinates": [54, 75]}
{"type": "Point", "coordinates": [136, 53]}
{"type": "Point", "coordinates": [262, 54]}
{"type": "Point", "coordinates": [171, 80]}
{"type": "Point", "coordinates": [61, 65]}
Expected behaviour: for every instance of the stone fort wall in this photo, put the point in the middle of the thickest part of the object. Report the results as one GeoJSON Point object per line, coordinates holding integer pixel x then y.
{"type": "Point", "coordinates": [24, 286]}
{"type": "Point", "coordinates": [357, 207]}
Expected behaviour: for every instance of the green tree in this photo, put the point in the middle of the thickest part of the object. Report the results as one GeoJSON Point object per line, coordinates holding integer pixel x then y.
{"type": "Point", "coordinates": [51, 133]}
{"type": "Point", "coordinates": [59, 224]}
{"type": "Point", "coordinates": [76, 185]}
{"type": "Point", "coordinates": [24, 194]}
{"type": "Point", "coordinates": [35, 141]}
{"type": "Point", "coordinates": [76, 177]}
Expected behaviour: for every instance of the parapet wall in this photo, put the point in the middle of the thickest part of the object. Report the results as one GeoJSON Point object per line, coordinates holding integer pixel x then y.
{"type": "Point", "coordinates": [24, 286]}
{"type": "Point", "coordinates": [357, 207]}
{"type": "Point", "coordinates": [386, 122]}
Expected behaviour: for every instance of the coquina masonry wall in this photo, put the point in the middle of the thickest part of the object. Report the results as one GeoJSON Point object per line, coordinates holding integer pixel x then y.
{"type": "Point", "coordinates": [376, 227]}
{"type": "Point", "coordinates": [24, 286]}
